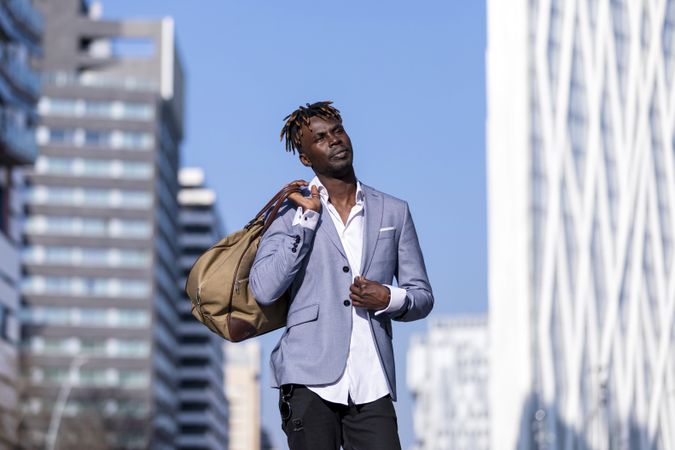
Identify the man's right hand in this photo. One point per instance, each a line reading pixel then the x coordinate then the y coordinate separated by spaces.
pixel 312 202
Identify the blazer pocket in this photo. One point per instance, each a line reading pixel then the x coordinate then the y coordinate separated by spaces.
pixel 302 315
pixel 386 233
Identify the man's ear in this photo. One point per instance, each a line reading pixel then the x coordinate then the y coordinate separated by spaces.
pixel 304 160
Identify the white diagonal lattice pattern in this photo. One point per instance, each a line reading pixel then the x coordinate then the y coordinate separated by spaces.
pixel 602 107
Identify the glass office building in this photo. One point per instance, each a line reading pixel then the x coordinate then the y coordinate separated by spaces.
pixel 99 257
pixel 203 414
pixel 20 32
pixel 581 174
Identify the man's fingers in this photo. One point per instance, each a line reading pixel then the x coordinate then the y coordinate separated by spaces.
pixel 298 183
pixel 355 298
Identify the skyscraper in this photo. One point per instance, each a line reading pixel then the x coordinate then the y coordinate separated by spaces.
pixel 203 409
pixel 581 176
pixel 448 377
pixel 100 249
pixel 20 32
pixel 242 387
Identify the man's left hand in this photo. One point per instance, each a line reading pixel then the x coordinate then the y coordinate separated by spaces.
pixel 369 294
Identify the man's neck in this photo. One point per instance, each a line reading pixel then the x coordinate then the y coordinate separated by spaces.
pixel 341 191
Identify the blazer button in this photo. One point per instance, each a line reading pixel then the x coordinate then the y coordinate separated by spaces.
pixel 346 303
pixel 345 269
pixel 294 249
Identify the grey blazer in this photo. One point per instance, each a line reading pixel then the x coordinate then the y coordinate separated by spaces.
pixel 314 347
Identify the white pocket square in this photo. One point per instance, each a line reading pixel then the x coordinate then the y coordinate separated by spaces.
pixel 387 229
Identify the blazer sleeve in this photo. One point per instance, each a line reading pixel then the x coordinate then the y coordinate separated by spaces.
pixel 279 257
pixel 411 275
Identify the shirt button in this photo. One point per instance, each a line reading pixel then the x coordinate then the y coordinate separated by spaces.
pixel 346 303
pixel 345 269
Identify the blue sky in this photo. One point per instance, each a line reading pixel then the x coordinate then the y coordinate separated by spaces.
pixel 409 79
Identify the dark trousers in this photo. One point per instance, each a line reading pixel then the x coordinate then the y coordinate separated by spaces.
pixel 315 424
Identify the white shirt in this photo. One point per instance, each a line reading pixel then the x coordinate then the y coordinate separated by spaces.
pixel 363 378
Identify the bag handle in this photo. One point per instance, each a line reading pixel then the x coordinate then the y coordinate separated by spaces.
pixel 276 202
pixel 273 215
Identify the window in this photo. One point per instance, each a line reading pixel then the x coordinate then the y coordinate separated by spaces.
pixel 56 346
pixel 94 256
pixel 136 170
pixel 85 286
pixel 93 377
pixel 61 136
pixel 133 348
pixel 55 375
pixel 132 47
pixel 4 316
pixel 4 203
pixel 139 111
pixel 55 315
pixel 89 256
pixel 93 346
pixel 133 378
pixel 134 140
pixel 132 317
pixel 98 109
pixel 97 138
pixel 96 167
pixel 89 197
pixel 59 106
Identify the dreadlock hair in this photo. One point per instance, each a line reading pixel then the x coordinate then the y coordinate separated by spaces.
pixel 292 130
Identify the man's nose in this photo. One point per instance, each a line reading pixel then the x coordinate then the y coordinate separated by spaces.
pixel 334 139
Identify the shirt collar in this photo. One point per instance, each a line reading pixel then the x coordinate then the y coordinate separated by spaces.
pixel 323 192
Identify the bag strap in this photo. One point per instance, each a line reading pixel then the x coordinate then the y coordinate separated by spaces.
pixel 273 215
pixel 276 202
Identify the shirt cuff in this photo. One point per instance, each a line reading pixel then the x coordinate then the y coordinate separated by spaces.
pixel 396 301
pixel 307 219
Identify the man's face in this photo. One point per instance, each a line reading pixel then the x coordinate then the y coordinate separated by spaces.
pixel 326 147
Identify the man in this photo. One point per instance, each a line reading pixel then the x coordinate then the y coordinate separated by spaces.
pixel 337 251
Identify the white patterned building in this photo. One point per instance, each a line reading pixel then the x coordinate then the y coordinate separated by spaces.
pixel 242 390
pixel 581 173
pixel 448 377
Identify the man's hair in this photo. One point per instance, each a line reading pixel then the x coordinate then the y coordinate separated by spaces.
pixel 292 130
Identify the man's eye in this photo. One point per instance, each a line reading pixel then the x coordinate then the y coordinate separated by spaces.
pixel 320 138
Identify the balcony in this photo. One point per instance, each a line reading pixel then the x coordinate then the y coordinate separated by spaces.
pixel 17 145
pixel 199 440
pixel 17 72
pixel 101 81
pixel 25 16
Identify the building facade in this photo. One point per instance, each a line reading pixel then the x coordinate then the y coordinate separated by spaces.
pixel 99 290
pixel 581 174
pixel 20 32
pixel 203 408
pixel 242 388
pixel 448 377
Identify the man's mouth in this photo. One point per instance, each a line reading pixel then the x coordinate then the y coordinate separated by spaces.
pixel 340 154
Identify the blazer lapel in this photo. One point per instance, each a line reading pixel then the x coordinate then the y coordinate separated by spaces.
pixel 327 228
pixel 373 210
